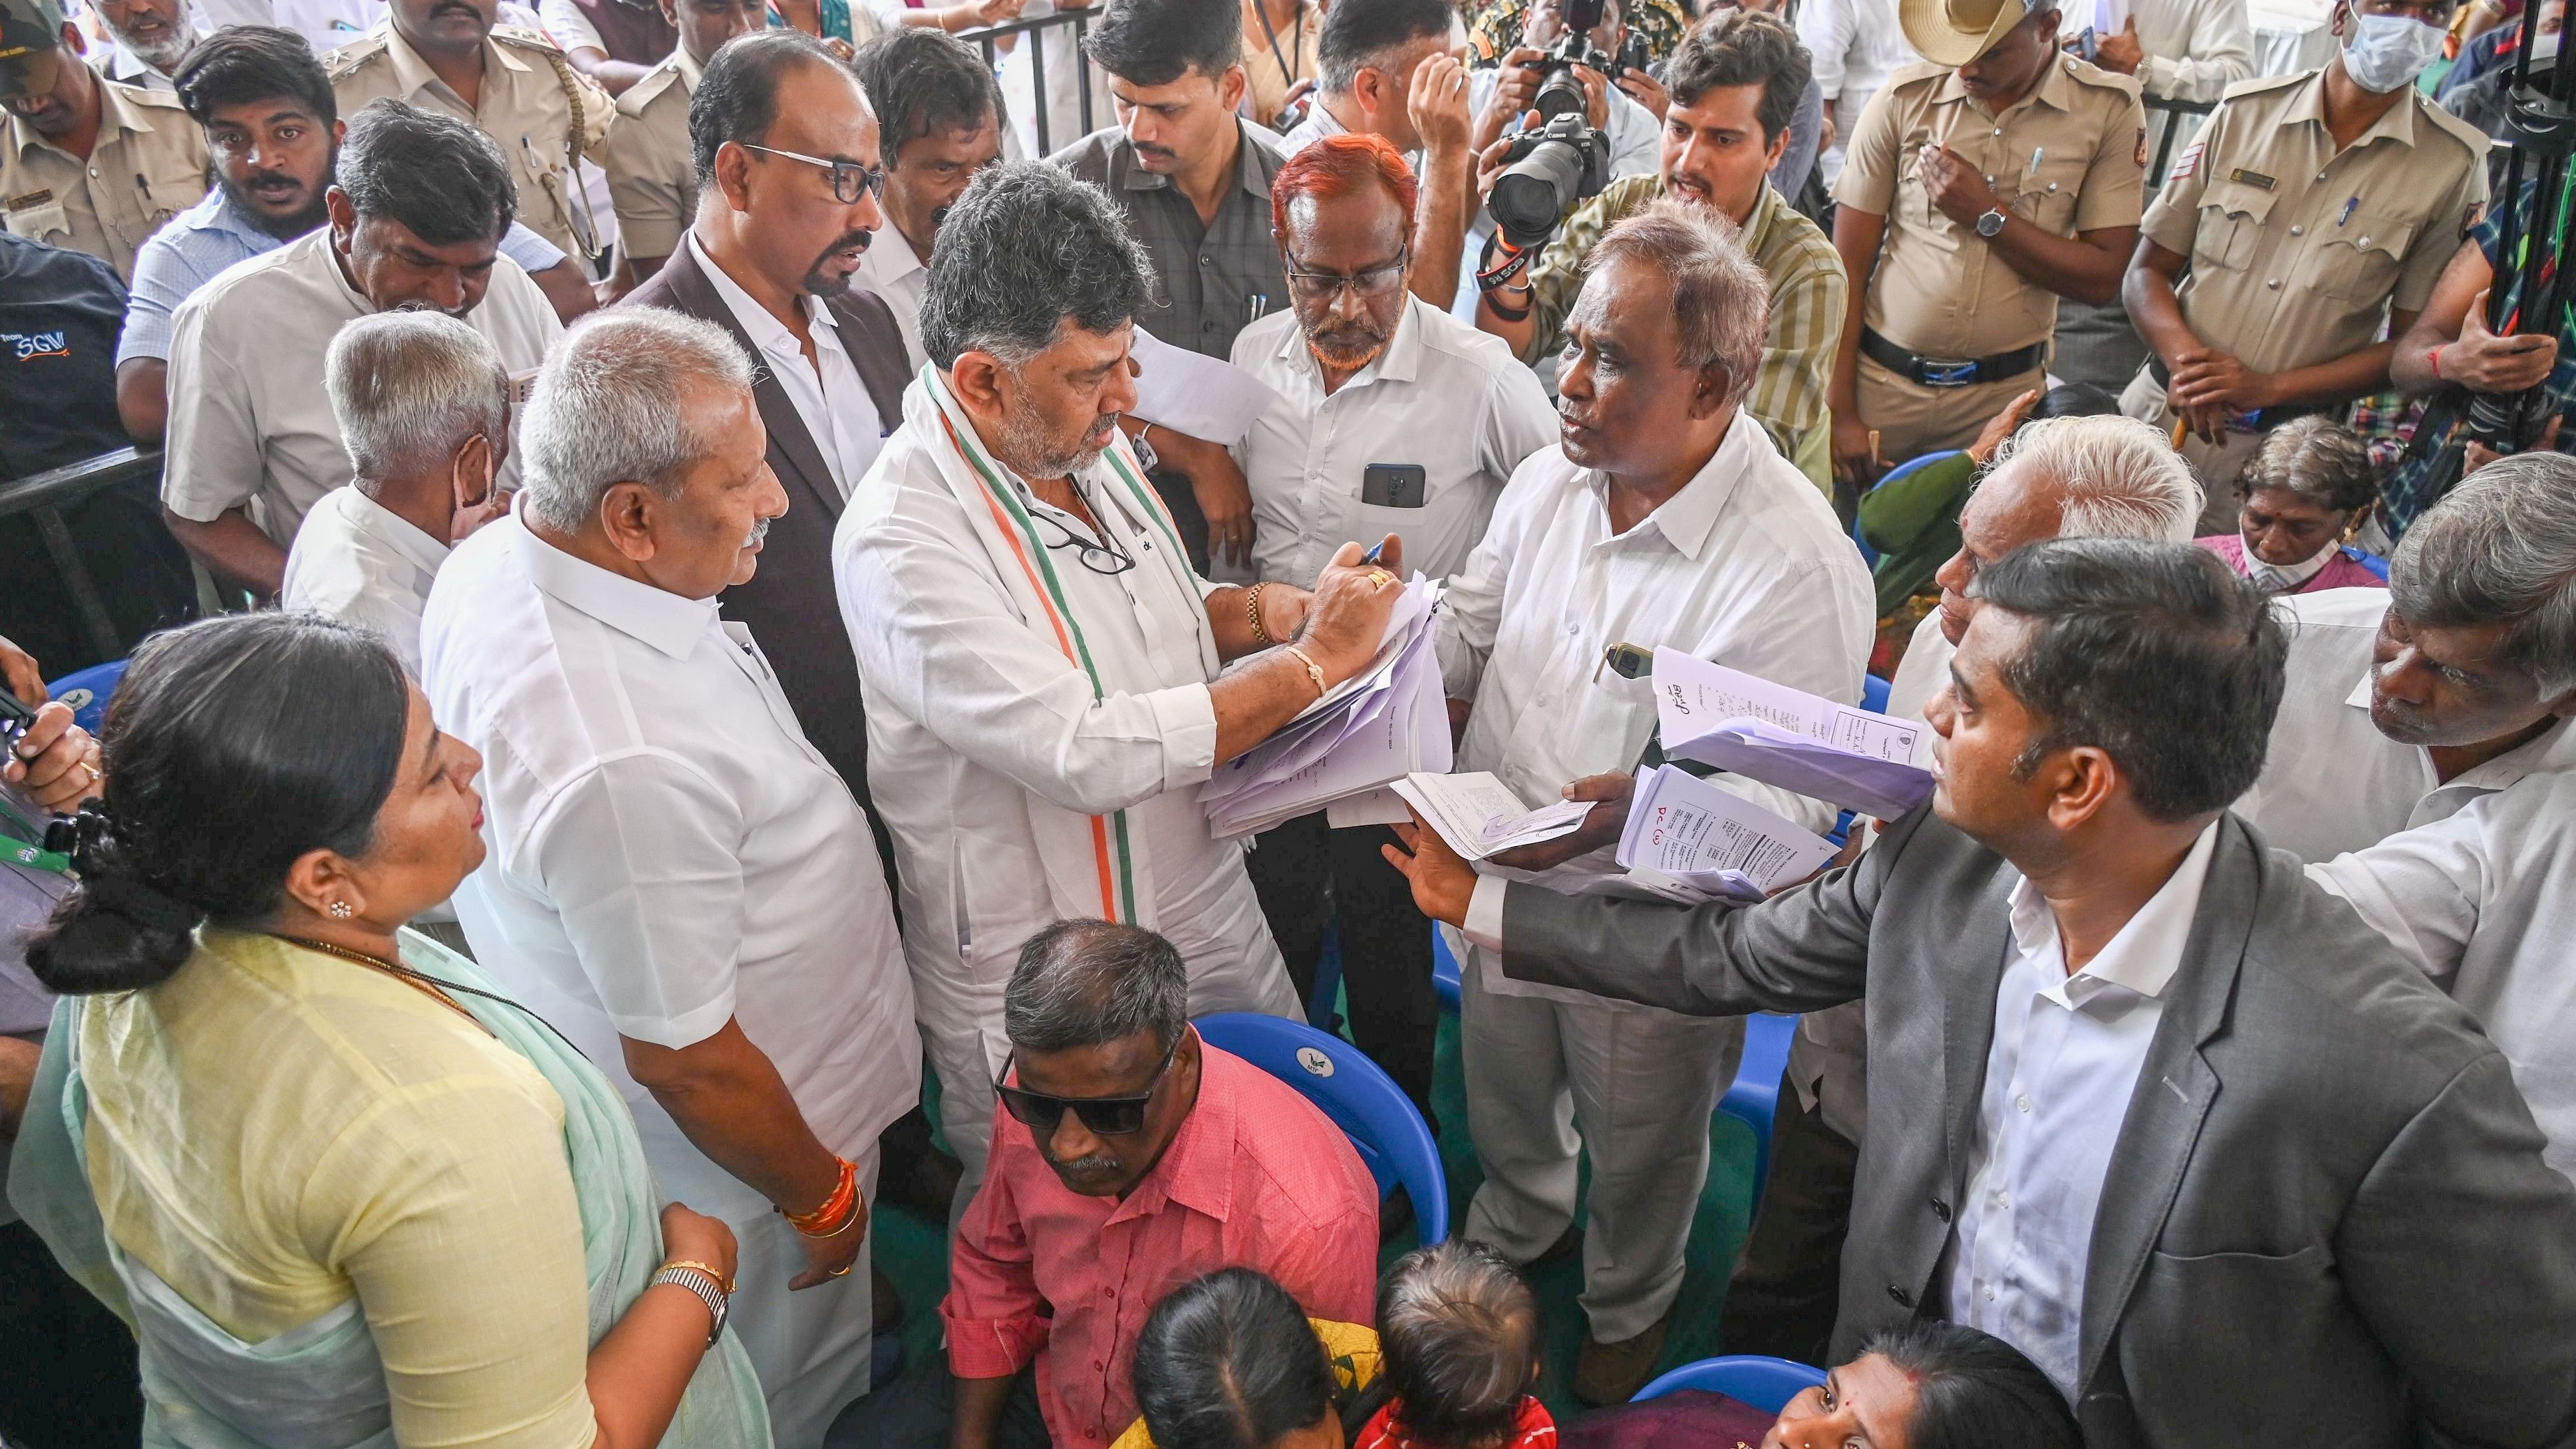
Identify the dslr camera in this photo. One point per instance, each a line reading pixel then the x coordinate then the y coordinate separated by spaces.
pixel 1563 159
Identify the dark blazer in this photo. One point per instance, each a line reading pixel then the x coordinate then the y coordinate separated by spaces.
pixel 2326 1220
pixel 790 605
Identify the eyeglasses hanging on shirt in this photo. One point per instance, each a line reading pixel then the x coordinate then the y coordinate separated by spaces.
pixel 850 179
pixel 1091 554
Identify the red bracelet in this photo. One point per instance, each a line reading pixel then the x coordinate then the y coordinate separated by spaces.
pixel 2436 360
pixel 835 1212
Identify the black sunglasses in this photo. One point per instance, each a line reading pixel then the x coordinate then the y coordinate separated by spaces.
pixel 1101 1116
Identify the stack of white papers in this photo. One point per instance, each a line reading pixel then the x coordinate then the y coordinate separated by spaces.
pixel 1479 815
pixel 1691 841
pixel 1382 724
pixel 1801 742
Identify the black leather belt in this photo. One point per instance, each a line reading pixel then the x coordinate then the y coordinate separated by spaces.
pixel 1950 371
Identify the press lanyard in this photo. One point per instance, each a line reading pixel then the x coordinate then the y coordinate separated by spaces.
pixel 1287 67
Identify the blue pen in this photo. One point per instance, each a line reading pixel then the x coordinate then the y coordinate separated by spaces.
pixel 2347 211
pixel 1370 557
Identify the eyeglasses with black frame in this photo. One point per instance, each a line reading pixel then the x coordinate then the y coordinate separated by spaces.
pixel 850 179
pixel 1091 554
pixel 1327 287
pixel 1101 1116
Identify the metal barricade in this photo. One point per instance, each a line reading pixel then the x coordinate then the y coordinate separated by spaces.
pixel 45 497
pixel 2173 111
pixel 1078 22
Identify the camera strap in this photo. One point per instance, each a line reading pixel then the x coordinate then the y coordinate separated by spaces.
pixel 1493 276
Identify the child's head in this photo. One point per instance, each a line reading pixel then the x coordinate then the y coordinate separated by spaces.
pixel 1459 1332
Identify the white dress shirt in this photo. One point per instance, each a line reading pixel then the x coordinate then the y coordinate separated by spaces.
pixel 2331 781
pixel 666 851
pixel 250 421
pixel 833 404
pixel 1923 672
pixel 900 277
pixel 1856 45
pixel 122 64
pixel 976 716
pixel 1745 566
pixel 2484 900
pixel 2064 1062
pixel 1442 395
pixel 358 560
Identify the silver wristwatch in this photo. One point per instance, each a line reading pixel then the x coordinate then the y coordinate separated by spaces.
pixel 1990 223
pixel 709 1291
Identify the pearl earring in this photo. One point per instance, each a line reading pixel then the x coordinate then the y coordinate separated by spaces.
pixel 339 910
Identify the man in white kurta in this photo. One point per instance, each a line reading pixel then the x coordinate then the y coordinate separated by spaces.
pixel 1740 561
pixel 669 859
pixel 1021 786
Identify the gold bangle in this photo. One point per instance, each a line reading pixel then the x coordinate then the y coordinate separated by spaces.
pixel 1252 612
pixel 709 1269
pixel 1314 671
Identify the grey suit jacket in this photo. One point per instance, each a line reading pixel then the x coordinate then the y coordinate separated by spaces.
pixel 2326 1221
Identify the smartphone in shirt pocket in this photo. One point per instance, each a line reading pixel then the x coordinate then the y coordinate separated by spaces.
pixel 1394 485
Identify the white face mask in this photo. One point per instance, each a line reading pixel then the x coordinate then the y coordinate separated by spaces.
pixel 2281 578
pixel 2385 52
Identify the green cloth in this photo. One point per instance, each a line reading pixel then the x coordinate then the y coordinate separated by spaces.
pixel 320 1384
pixel 1913 522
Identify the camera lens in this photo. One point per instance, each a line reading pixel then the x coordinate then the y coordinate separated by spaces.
pixel 1528 197
pixel 1560 95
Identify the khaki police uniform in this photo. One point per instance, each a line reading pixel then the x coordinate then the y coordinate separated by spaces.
pixel 2066 157
pixel 147 166
pixel 534 104
pixel 652 172
pixel 2298 251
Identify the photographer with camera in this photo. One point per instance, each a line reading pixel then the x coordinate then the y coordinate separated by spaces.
pixel 1734 88
pixel 1981 186
pixel 1568 54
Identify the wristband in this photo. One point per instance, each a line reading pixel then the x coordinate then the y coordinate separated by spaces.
pixel 2436 360
pixel 1314 671
pixel 836 1212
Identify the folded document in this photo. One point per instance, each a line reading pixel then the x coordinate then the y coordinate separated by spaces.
pixel 1384 723
pixel 1801 742
pixel 1480 816
pixel 1691 840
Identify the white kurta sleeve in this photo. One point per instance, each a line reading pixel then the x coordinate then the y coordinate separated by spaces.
pixel 939 640
pixel 642 858
pixel 2218 53
pixel 2421 888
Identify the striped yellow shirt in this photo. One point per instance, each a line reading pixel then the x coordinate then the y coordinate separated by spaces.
pixel 1807 298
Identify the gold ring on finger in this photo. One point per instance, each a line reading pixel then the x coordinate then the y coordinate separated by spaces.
pixel 1381 577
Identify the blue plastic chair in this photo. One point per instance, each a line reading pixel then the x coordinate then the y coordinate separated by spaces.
pixel 87 692
pixel 2378 566
pixel 1754 1100
pixel 1763 1382
pixel 1356 1094
pixel 1444 972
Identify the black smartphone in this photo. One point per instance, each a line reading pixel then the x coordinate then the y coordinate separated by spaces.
pixel 1394 485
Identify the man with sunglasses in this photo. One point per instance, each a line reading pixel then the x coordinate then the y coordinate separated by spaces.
pixel 1129 1156
pixel 1392 417
pixel 788 180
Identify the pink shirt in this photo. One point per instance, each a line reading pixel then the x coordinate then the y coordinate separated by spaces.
pixel 2342 571
pixel 1256 1176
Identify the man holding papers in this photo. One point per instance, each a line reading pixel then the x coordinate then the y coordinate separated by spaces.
pixel 1663 517
pixel 1390 416
pixel 1041 661
pixel 2147 1103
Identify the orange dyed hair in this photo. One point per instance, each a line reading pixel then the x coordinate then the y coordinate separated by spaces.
pixel 1335 167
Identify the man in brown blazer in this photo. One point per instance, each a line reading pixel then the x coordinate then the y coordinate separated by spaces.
pixel 788 178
